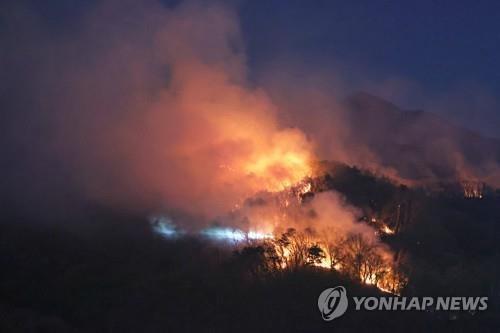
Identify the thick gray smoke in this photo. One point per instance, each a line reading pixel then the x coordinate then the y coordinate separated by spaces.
pixel 148 107
pixel 143 106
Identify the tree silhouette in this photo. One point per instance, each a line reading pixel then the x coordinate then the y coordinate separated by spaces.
pixel 315 255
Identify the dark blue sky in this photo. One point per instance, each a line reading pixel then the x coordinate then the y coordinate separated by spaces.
pixel 444 53
pixel 448 51
pixel 436 43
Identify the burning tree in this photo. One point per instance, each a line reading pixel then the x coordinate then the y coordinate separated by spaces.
pixel 293 248
pixel 333 244
pixel 315 255
pixel 473 189
pixel 360 259
pixel 357 257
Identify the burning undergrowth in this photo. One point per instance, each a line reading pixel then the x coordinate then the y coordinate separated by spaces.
pixel 304 226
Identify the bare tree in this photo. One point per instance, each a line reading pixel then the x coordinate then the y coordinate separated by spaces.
pixel 334 247
pixel 374 268
pixel 357 257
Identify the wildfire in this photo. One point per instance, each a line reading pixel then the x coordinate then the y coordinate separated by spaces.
pixel 302 188
pixel 279 169
pixel 386 230
pixel 388 282
pixel 473 189
pixel 351 253
pixel 381 226
pixel 352 256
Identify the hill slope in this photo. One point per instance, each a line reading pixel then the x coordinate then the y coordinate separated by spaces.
pixel 420 145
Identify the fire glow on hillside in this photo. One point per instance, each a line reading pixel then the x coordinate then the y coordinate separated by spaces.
pixel 473 189
pixel 281 227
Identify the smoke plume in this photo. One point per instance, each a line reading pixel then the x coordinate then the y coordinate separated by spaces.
pixel 148 107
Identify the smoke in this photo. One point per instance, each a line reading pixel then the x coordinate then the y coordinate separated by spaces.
pixel 324 217
pixel 147 107
pixel 411 146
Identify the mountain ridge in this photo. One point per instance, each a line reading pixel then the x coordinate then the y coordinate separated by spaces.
pixel 420 145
